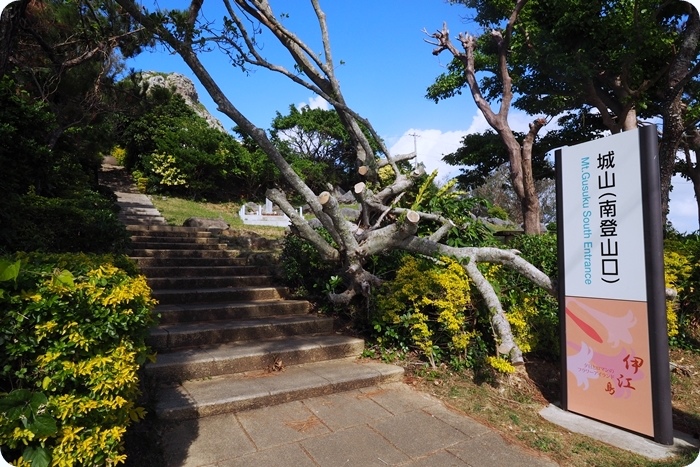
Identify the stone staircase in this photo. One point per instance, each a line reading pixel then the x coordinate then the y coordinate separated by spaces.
pixel 229 338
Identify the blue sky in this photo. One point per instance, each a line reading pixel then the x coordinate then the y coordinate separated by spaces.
pixel 387 68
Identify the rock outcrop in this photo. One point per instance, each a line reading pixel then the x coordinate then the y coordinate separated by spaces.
pixel 183 86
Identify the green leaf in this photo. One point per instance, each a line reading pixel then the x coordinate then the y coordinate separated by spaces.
pixel 37 456
pixel 37 401
pixel 18 397
pixel 9 271
pixel 65 277
pixel 43 426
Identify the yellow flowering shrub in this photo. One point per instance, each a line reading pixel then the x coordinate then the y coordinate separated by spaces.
pixel 165 167
pixel 500 364
pixel 73 330
pixel 676 268
pixel 427 307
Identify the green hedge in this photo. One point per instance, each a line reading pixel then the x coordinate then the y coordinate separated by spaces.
pixel 87 221
pixel 72 336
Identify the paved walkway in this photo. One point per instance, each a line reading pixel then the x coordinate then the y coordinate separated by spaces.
pixel 384 425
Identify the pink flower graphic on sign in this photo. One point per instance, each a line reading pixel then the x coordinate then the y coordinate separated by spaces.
pixel 617 327
pixel 579 365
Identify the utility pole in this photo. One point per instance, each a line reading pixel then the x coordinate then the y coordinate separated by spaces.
pixel 415 147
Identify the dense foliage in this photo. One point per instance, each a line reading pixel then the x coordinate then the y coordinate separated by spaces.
pixel 303 268
pixel 72 336
pixel 429 307
pixel 317 146
pixel 178 153
pixel 559 64
pixel 49 199
pixel 86 221
pixel 682 266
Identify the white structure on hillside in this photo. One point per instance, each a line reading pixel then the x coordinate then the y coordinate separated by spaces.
pixel 266 216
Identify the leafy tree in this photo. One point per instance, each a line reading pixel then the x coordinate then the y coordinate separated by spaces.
pixel 68 216
pixel 484 153
pixel 55 97
pixel 486 161
pixel 386 222
pixel 627 60
pixel 25 157
pixel 180 154
pixel 258 171
pixel 65 55
pixel 318 146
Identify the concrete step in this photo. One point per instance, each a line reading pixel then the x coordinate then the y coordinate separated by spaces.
pixel 233 393
pixel 195 246
pixel 141 220
pixel 220 294
pixel 238 357
pixel 145 231
pixel 161 283
pixel 232 343
pixel 164 229
pixel 140 210
pixel 183 335
pixel 205 271
pixel 188 312
pixel 184 261
pixel 163 240
pixel 162 253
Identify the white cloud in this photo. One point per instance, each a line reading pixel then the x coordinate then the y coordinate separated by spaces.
pixel 479 124
pixel 683 209
pixel 431 146
pixel 316 102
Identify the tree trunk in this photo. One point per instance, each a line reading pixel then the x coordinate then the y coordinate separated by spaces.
pixel 668 148
pixel 680 72
pixel 519 153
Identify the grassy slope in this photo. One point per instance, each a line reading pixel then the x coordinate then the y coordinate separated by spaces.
pixel 176 210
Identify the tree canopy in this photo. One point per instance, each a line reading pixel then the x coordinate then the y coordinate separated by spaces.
pixel 628 61
pixel 317 145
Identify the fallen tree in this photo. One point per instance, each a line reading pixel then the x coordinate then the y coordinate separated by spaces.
pixel 383 223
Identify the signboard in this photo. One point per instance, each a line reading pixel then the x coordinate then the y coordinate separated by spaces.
pixel 614 347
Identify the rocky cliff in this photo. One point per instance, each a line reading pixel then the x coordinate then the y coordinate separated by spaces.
pixel 183 86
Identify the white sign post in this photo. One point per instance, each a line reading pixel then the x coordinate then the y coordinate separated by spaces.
pixel 614 343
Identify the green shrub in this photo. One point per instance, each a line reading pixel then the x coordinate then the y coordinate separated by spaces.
pixel 25 127
pixel 456 206
pixel 72 336
pixel 119 154
pixel 85 222
pixel 682 271
pixel 303 268
pixel 429 303
pixel 177 153
pixel 310 276
pixel 532 312
pixel 498 212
